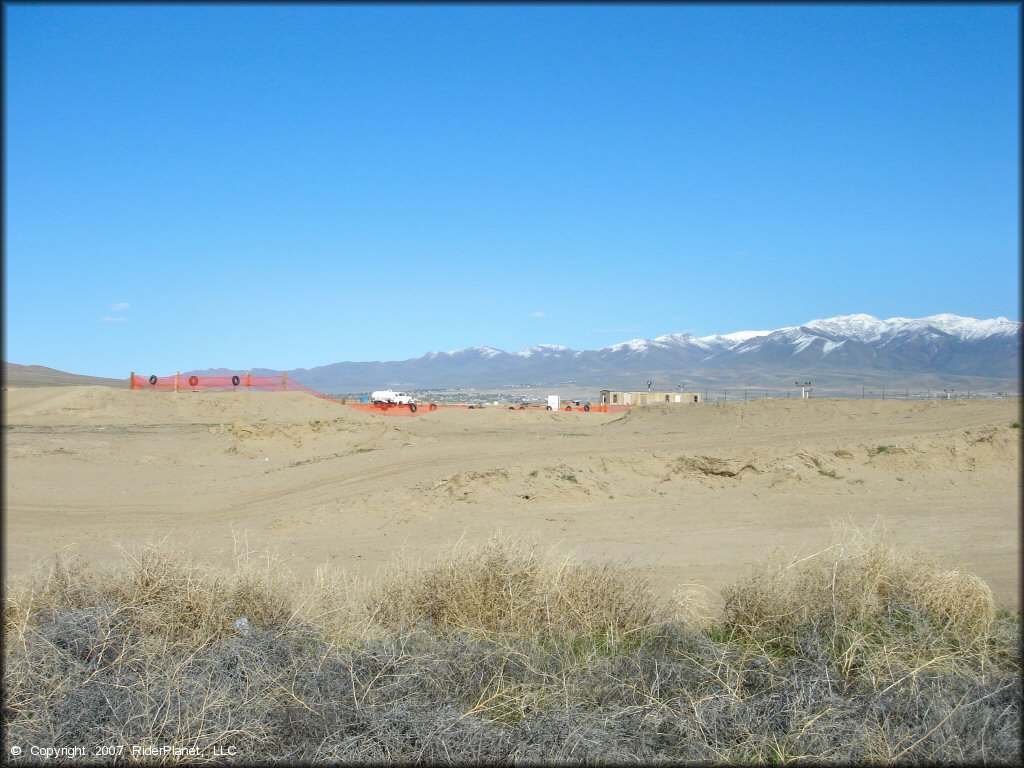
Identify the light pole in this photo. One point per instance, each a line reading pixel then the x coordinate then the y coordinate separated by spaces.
pixel 805 389
pixel 948 392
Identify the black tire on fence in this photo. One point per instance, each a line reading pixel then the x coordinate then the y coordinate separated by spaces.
pixel 522 407
pixel 587 407
pixel 412 407
pixel 433 406
pixel 549 407
pixel 152 380
pixel 511 407
pixel 235 380
pixel 193 381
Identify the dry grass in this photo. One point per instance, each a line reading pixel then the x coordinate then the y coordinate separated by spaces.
pixel 866 596
pixel 506 587
pixel 497 654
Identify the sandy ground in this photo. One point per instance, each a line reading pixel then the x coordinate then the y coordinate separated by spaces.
pixel 689 494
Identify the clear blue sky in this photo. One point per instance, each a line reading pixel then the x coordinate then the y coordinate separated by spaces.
pixel 291 186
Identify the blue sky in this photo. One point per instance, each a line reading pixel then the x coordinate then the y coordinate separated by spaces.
pixel 290 186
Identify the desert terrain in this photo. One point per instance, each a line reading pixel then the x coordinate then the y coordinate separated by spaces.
pixel 687 494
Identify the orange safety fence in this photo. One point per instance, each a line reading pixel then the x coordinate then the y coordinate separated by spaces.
pixel 245 382
pixel 394 409
pixel 191 382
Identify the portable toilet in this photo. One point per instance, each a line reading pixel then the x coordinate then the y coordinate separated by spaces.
pixel 554 402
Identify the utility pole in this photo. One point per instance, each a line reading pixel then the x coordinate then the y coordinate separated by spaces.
pixel 948 392
pixel 805 389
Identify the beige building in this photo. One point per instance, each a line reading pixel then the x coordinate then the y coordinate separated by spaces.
pixel 608 397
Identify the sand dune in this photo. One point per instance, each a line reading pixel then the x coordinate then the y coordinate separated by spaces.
pixel 689 494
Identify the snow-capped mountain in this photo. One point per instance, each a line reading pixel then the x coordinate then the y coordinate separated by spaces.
pixel 730 340
pixel 848 347
pixel 545 350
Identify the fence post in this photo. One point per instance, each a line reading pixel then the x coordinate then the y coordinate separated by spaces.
pixel 176 375
pixel 131 380
pixel 726 399
pixel 883 393
pixel 248 381
pixel 284 381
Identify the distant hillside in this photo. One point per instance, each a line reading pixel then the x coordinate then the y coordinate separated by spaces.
pixel 40 376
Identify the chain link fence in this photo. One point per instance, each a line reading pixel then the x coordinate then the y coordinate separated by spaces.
pixel 741 394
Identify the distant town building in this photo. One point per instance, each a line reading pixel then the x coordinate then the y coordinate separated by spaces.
pixel 608 397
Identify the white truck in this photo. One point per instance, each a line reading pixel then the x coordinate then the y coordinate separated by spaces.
pixel 389 396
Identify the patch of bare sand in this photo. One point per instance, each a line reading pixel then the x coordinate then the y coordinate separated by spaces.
pixel 689 494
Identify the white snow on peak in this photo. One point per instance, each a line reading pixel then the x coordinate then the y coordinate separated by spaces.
pixel 737 337
pixel 965 328
pixel 633 345
pixel 542 349
pixel 680 340
pixel 868 328
pixel 859 327
pixel 805 341
pixel 482 350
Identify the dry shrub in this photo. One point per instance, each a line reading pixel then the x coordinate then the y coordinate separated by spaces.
pixel 167 595
pixel 955 599
pixel 861 591
pixel 89 658
pixel 694 606
pixel 505 587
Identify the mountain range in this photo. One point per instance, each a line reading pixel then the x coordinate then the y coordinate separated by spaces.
pixel 840 351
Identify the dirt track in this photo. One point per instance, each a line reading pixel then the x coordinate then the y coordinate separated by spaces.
pixel 690 494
